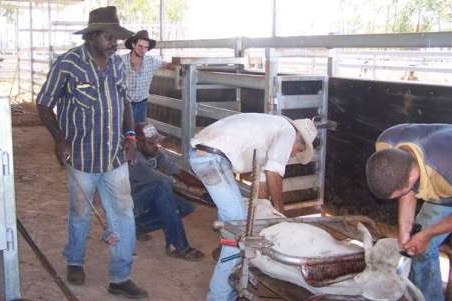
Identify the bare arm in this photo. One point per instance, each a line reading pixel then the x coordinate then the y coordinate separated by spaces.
pixel 128 124
pixel 407 211
pixel 274 188
pixel 62 149
pixel 419 242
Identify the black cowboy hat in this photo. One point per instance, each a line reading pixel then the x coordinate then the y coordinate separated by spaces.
pixel 140 35
pixel 106 19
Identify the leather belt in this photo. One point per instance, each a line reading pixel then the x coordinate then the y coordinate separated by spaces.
pixel 211 150
pixel 138 102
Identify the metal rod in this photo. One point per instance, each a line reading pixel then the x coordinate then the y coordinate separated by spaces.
pixel 46 263
pixel 232 79
pixel 253 196
pixel 96 213
pixel 162 23
pixel 30 15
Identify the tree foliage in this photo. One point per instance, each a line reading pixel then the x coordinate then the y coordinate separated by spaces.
pixel 392 16
pixel 9 12
pixel 148 11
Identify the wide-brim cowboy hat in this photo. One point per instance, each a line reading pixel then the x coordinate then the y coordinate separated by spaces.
pixel 140 35
pixel 308 132
pixel 106 19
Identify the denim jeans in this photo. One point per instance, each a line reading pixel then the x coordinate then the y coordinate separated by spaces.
pixel 216 174
pixel 156 206
pixel 140 110
pixel 114 191
pixel 425 270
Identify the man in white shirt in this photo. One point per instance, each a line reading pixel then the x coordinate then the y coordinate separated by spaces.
pixel 227 146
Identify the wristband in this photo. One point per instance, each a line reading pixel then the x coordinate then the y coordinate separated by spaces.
pixel 130 137
pixel 130 133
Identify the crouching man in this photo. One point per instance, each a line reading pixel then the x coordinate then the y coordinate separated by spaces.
pixel 155 204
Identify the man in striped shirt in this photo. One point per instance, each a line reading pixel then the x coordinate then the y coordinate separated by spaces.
pixel 86 85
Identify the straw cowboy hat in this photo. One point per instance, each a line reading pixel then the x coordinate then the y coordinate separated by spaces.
pixel 140 35
pixel 308 131
pixel 106 19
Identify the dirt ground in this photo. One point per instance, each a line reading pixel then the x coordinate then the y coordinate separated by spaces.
pixel 41 201
pixel 40 185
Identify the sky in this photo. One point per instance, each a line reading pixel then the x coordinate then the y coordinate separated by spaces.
pixel 253 18
pixel 212 19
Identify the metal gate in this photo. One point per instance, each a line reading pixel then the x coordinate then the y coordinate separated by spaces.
pixel 9 263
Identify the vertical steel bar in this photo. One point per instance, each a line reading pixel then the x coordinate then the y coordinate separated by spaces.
pixel 30 11
pixel 323 111
pixel 17 51
pixel 162 22
pixel 274 18
pixel 270 75
pixel 49 33
pixel 330 66
pixel 238 52
pixel 189 113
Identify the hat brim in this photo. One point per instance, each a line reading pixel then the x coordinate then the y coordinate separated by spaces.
pixel 157 138
pixel 133 39
pixel 305 156
pixel 115 30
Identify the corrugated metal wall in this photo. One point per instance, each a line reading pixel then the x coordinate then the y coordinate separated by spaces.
pixel 363 109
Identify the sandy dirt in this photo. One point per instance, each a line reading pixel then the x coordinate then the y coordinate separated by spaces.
pixel 41 201
pixel 40 185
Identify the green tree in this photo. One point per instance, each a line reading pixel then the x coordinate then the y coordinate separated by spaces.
pixel 148 11
pixel 9 12
pixel 385 16
pixel 175 10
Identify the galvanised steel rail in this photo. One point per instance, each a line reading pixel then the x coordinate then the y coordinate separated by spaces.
pixel 392 40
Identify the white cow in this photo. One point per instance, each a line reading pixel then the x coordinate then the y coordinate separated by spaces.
pixel 377 282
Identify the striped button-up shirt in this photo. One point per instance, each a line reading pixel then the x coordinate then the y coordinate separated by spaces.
pixel 89 106
pixel 139 82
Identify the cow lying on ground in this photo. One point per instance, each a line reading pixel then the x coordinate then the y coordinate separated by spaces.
pixel 377 282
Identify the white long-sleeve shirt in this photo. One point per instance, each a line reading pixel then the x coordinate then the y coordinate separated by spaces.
pixel 237 136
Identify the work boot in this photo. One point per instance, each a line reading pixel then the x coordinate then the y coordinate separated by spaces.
pixel 75 275
pixel 127 289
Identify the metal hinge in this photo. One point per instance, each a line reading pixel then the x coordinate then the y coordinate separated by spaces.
pixel 5 163
pixel 10 239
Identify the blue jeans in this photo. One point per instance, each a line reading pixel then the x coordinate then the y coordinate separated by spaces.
pixel 156 206
pixel 216 174
pixel 140 110
pixel 114 191
pixel 425 270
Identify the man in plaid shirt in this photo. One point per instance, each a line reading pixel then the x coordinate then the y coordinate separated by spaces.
pixel 140 69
